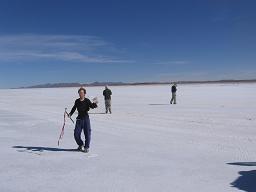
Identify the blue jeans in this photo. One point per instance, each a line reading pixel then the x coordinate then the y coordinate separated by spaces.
pixel 83 124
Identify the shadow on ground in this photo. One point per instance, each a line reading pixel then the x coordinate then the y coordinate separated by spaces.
pixel 39 149
pixel 243 163
pixel 97 113
pixel 159 104
pixel 247 179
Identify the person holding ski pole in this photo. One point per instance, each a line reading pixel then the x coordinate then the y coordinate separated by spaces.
pixel 83 105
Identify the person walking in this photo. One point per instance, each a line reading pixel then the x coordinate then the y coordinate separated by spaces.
pixel 83 105
pixel 174 90
pixel 107 96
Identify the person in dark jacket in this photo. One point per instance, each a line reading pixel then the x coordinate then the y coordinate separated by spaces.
pixel 107 96
pixel 174 90
pixel 83 105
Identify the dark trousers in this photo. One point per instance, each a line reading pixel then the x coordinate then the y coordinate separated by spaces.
pixel 83 125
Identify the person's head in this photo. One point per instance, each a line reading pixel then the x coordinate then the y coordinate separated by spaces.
pixel 106 87
pixel 82 92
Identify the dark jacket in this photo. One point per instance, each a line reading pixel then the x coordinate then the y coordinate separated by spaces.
pixel 107 94
pixel 82 107
pixel 174 89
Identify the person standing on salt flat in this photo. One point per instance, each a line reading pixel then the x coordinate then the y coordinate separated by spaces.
pixel 83 105
pixel 107 96
pixel 174 90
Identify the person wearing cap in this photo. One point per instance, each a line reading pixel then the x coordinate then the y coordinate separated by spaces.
pixel 83 105
pixel 174 90
pixel 107 96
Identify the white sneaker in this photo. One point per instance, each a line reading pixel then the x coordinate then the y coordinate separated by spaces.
pixel 81 148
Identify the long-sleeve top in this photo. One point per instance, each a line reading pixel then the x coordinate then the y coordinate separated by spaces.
pixel 107 94
pixel 174 89
pixel 82 107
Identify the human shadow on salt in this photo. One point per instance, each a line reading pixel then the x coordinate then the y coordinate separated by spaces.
pixel 243 163
pixel 158 104
pixel 246 179
pixel 97 113
pixel 34 149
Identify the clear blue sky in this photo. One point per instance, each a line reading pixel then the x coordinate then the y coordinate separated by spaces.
pixel 46 41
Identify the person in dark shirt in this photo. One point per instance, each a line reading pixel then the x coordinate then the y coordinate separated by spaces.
pixel 107 96
pixel 174 90
pixel 83 105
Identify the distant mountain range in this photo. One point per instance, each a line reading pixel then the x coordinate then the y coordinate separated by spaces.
pixel 59 85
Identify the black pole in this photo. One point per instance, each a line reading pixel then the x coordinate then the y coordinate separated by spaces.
pixel 69 116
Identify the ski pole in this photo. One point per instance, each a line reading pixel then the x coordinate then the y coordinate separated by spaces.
pixel 69 116
pixel 62 130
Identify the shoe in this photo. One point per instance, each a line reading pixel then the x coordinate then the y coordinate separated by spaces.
pixel 81 148
pixel 86 150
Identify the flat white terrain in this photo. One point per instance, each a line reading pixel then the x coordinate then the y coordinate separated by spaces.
pixel 205 143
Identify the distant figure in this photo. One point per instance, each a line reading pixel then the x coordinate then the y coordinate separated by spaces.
pixel 174 90
pixel 107 96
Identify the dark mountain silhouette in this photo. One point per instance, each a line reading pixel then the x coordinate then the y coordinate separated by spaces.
pixel 58 85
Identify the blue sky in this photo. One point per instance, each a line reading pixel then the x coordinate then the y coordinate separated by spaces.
pixel 47 41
